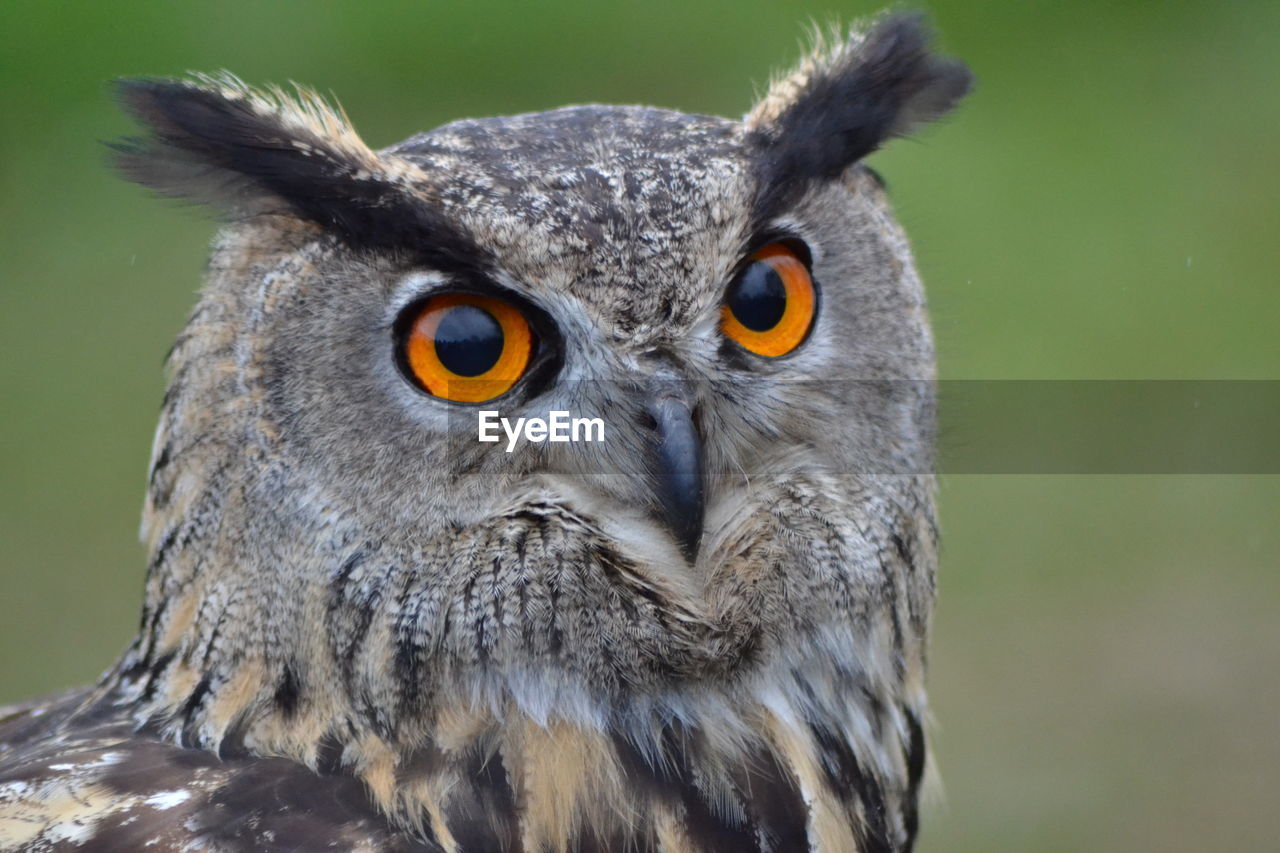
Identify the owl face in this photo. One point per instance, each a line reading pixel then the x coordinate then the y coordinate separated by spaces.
pixel 733 301
pixel 623 295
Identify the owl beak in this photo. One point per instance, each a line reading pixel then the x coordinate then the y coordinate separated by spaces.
pixel 677 468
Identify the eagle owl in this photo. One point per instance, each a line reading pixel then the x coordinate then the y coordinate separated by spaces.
pixel 366 629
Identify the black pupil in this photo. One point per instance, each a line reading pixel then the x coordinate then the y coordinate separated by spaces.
pixel 468 340
pixel 759 299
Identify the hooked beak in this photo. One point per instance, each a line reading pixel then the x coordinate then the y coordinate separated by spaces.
pixel 677 468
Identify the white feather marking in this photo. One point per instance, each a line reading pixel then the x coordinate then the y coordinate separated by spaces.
pixel 165 800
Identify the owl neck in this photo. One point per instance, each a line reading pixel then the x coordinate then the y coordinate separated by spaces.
pixel 805 750
pixel 814 742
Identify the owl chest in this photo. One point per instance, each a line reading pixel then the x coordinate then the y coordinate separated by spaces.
pixel 673 787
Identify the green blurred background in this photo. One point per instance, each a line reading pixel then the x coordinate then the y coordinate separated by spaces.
pixel 1106 668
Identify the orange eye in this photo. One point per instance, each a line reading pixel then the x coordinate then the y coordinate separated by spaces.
pixel 770 306
pixel 466 347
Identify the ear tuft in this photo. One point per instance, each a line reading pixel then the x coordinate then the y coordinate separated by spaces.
pixel 844 101
pixel 215 140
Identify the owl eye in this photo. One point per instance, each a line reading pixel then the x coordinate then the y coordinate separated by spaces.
pixel 466 347
pixel 770 305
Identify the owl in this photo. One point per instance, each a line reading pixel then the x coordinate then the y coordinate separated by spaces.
pixel 697 626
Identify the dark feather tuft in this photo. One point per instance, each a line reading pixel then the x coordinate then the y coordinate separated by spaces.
pixel 850 101
pixel 220 143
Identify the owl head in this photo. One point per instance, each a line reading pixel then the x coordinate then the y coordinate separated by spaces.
pixel 339 561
